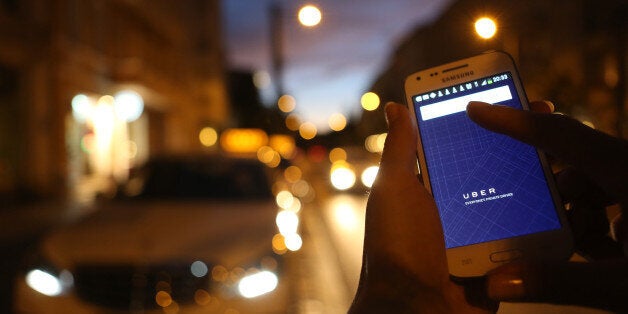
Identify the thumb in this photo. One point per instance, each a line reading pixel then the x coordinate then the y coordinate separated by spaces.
pixel 399 153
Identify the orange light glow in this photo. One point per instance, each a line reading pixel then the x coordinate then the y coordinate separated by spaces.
pixel 286 103
pixel 293 174
pixel 208 136
pixel 337 154
pixel 293 122
pixel 308 130
pixel 283 144
pixel 163 299
pixel 243 141
pixel 337 122
pixel 202 297
pixel 220 273
pixel 279 244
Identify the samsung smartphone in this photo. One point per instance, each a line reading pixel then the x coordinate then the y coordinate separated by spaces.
pixel 496 196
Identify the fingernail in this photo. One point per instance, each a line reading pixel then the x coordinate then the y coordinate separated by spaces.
pixel 505 287
pixel 550 105
pixel 478 104
pixel 392 112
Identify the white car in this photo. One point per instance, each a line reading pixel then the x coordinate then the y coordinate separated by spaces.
pixel 195 236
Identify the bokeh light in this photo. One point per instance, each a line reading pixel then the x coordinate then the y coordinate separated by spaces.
pixel 44 283
pixel 257 284
pixel 243 141
pixel 261 79
pixel 485 27
pixel 279 244
pixel 368 176
pixel 284 199
pixel 337 122
pixel 293 242
pixel 310 16
pixel 375 143
pixel 283 144
pixel 337 154
pixel 199 269
pixel 293 122
pixel 287 222
pixel 163 299
pixel 82 107
pixel 308 130
pixel 342 176
pixel 286 103
pixel 369 101
pixel 292 174
pixel 208 136
pixel 128 105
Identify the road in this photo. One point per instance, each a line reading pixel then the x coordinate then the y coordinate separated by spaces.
pixel 322 276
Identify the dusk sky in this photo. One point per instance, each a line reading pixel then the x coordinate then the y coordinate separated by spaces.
pixel 330 66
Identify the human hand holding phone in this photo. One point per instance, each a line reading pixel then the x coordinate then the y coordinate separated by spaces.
pixel 404 267
pixel 602 159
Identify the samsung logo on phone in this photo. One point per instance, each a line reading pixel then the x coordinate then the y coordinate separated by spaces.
pixel 457 76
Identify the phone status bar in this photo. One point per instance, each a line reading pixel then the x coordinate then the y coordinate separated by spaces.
pixel 467 87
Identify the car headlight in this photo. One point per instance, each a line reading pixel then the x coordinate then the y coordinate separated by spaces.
pixel 49 283
pixel 257 284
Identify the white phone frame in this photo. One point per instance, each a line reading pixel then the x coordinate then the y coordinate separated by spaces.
pixel 478 259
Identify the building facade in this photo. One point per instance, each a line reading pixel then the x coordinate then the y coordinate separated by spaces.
pixel 168 52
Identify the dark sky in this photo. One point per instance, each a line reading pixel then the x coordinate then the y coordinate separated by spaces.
pixel 328 67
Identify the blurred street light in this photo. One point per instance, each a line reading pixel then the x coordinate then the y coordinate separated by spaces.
pixel 337 122
pixel 308 130
pixel 369 101
pixel 286 103
pixel 208 136
pixel 485 27
pixel 309 16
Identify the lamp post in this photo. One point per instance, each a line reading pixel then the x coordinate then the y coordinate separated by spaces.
pixel 308 15
pixel 276 38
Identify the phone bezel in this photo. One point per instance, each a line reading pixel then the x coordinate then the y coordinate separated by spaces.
pixel 475 260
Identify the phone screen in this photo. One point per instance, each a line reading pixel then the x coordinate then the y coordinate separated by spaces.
pixel 487 186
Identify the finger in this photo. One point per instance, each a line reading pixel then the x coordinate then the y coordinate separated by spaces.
pixel 601 157
pixel 542 106
pixel 399 153
pixel 600 284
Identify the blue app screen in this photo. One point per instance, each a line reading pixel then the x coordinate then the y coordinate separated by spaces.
pixel 487 186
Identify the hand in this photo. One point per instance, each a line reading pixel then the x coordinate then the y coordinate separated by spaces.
pixel 403 273
pixel 603 160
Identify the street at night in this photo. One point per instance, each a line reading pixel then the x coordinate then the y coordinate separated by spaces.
pixel 218 156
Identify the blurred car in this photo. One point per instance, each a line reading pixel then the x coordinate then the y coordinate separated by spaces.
pixel 189 234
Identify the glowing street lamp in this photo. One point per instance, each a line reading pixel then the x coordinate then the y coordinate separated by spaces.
pixel 309 16
pixel 485 27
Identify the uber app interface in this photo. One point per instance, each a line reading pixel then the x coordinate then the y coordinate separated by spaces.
pixel 487 186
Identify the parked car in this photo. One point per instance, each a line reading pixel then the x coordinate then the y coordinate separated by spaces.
pixel 187 233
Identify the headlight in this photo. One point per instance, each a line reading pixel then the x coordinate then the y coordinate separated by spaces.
pixel 368 176
pixel 342 176
pixel 48 283
pixel 257 284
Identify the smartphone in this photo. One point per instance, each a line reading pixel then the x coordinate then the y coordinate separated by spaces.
pixel 496 196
